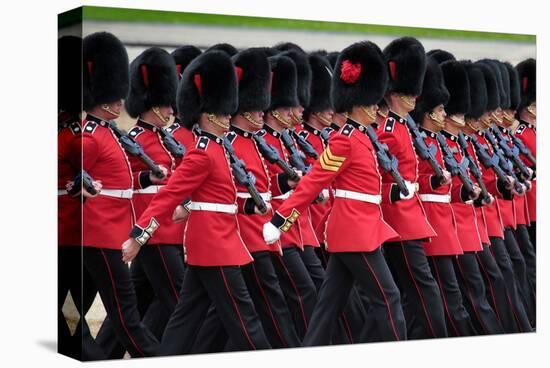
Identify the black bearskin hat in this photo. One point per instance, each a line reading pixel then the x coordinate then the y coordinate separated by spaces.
pixel 69 74
pixel 287 46
pixel 321 72
pixel 284 82
pixel 491 83
pixel 225 47
pixel 254 75
pixel 406 61
pixel 332 57
pixel 456 81
pixel 441 55
pixel 505 84
pixel 478 91
pixel 183 55
pixel 514 86
pixel 527 73
pixel 208 84
pixel 360 77
pixel 303 71
pixel 434 92
pixel 501 85
pixel 105 75
pixel 153 81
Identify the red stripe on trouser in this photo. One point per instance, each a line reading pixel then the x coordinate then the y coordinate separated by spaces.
pixel 490 287
pixel 418 290
pixel 443 297
pixel 295 290
pixel 168 274
pixel 118 305
pixel 266 301
pixel 384 296
pixel 236 309
pixel 469 293
pixel 348 329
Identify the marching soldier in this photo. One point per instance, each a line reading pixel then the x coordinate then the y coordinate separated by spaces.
pixel 207 94
pixel 349 163
pixel 406 63
pixel 107 217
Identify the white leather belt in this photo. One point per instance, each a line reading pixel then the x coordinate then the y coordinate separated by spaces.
pixel 265 196
pixel 151 189
pixel 440 198
pixel 61 192
pixel 284 196
pixel 117 193
pixel 363 197
pixel 214 207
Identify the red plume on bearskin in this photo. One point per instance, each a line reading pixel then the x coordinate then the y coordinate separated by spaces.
pixel 350 72
pixel 239 72
pixel 198 83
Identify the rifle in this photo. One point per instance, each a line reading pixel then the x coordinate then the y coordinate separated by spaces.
pixel 305 145
pixel 83 180
pixel 524 150
pixel 454 167
pixel 474 169
pixel 296 158
pixel 511 152
pixel 271 154
pixel 387 161
pixel 325 135
pixel 243 176
pixel 503 162
pixel 425 152
pixel 172 145
pixel 133 148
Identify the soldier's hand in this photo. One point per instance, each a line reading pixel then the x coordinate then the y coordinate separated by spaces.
pixel 511 181
pixel 326 196
pixel 292 183
pixel 156 180
pixel 515 192
pixel 530 171
pixel 491 199
pixel 180 214
pixel 268 210
pixel 446 178
pixel 130 249
pixel 271 233
pixel 411 187
pixel 476 193
pixel 528 184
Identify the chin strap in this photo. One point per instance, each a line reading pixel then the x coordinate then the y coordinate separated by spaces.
pixel 408 100
pixel 248 116
pixel 156 111
pixel 324 120
pixel 109 110
pixel 278 116
pixel 371 116
pixel 214 120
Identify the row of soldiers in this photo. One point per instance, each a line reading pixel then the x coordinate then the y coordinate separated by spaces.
pixel 296 199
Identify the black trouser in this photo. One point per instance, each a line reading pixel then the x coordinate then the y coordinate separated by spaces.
pixel 157 275
pixel 112 279
pixel 224 287
pixel 297 285
pixel 502 258
pixel 472 286
pixel 533 234
pixel 422 303
pixel 520 270
pixel 372 273
pixel 529 255
pixel 74 278
pixel 350 323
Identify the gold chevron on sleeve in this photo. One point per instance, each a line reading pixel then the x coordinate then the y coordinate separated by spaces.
pixel 330 161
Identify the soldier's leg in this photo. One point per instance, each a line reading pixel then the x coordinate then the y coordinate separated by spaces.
pixel 473 288
pixel 227 290
pixel 323 255
pixel 265 291
pixel 297 286
pixel 112 278
pixel 422 297
pixel 372 273
pixel 65 273
pixel 533 234
pixel 500 254
pixel 212 337
pixel 458 319
pixel 528 252
pixel 333 295
pixel 520 270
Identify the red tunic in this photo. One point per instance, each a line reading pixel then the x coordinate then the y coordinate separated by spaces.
pixel 407 217
pixel 440 215
pixel 278 187
pixel 211 238
pixel 348 163
pixel 69 163
pixel 528 135
pixel 106 220
pixel 251 225
pixel 150 139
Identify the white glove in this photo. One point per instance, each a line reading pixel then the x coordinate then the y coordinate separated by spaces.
pixel 271 233
pixel 411 187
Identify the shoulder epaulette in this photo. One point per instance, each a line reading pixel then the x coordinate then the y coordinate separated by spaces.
pixel 136 131
pixel 304 134
pixel 231 136
pixel 347 130
pixel 75 127
pixel 261 133
pixel 521 129
pixel 90 127
pixel 389 124
pixel 202 143
pixel 173 127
